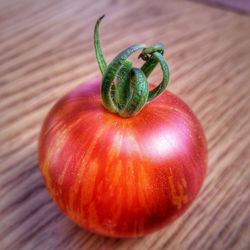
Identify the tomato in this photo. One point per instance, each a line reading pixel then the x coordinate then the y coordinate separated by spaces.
pixel 122 164
pixel 122 177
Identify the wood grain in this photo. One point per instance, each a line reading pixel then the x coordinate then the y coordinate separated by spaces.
pixel 46 50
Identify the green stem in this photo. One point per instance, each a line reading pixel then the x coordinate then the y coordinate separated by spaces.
pixel 125 89
pixel 109 77
pixel 122 87
pixel 139 93
pixel 151 62
pixel 165 70
pixel 99 54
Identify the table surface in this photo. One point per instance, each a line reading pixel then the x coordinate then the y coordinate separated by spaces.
pixel 46 49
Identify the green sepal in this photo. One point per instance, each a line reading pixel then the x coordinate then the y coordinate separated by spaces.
pixel 125 89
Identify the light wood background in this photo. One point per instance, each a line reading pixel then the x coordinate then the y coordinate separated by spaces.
pixel 46 49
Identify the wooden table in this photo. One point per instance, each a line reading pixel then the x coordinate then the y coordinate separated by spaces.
pixel 46 49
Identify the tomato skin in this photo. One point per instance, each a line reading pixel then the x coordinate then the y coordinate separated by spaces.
pixel 122 177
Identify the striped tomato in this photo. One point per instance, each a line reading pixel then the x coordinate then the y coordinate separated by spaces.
pixel 120 164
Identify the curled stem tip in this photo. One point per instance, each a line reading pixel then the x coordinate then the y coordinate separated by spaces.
pixel 125 89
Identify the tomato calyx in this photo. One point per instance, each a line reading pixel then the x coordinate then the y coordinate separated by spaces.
pixel 125 89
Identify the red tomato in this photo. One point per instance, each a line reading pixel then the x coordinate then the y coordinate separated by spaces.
pixel 117 176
